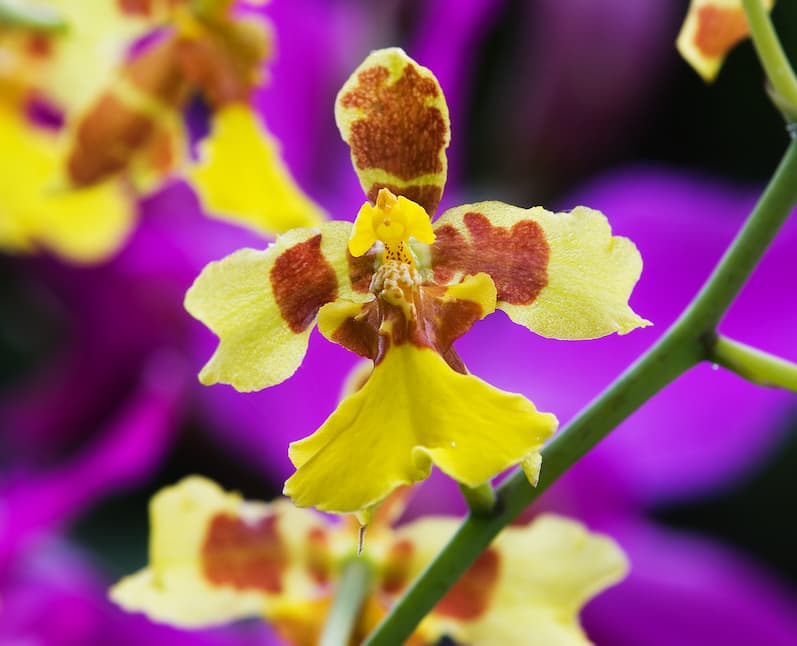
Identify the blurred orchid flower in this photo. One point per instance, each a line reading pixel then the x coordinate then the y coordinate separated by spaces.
pixel 712 28
pixel 216 558
pixel 124 132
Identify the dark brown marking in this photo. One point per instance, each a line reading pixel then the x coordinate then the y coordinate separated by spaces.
pixel 427 195
pixel 396 567
pixel 399 132
pixel 224 63
pixel 303 281
pixel 244 555
pixel 453 318
pixel 361 270
pixel 471 595
pixel 112 132
pixel 105 140
pixel 360 333
pixel 435 322
pixel 719 29
pixel 39 45
pixel 516 259
pixel 135 7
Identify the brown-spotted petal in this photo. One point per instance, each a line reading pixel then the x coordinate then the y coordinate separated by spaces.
pixel 215 558
pixel 528 587
pixel 393 115
pixel 562 275
pixel 263 304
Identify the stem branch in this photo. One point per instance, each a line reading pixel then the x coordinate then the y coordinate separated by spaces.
pixel 772 57
pixel 754 365
pixel 353 589
pixel 481 499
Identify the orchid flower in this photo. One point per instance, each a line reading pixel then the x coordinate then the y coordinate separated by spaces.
pixel 124 132
pixel 216 558
pixel 399 291
pixel 711 30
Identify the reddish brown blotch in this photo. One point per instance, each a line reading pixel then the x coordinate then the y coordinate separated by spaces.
pixel 470 597
pixel 244 555
pixel 516 258
pixel 302 281
pixel 719 29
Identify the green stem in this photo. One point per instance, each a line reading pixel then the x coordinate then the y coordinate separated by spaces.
pixel 481 499
pixel 772 57
pixel 754 365
pixel 681 347
pixel 30 16
pixel 353 589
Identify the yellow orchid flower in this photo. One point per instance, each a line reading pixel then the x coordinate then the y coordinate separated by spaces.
pixel 135 126
pixel 399 290
pixel 711 30
pixel 215 558
pixel 124 122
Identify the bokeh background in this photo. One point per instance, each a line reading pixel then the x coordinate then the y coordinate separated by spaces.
pixel 553 102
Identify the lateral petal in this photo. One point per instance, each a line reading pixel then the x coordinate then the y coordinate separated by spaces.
pixel 215 558
pixel 263 304
pixel 562 275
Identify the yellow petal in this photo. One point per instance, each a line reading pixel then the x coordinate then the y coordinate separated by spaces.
pixel 417 220
pixel 414 411
pixel 86 225
pixel 241 178
pixel 392 113
pixel 711 29
pixel 562 275
pixel 363 235
pixel 527 588
pixel 263 304
pixel 38 211
pixel 215 558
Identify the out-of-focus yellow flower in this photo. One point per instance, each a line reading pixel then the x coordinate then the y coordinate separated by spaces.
pixel 123 133
pixel 398 290
pixel 215 558
pixel 711 30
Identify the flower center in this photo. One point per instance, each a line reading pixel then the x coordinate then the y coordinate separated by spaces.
pixel 392 221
